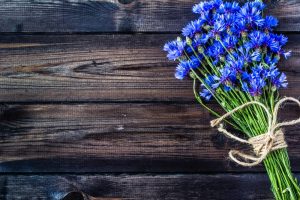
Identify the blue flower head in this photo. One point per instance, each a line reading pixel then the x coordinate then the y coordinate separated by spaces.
pixel 252 14
pixel 202 7
pixel 175 49
pixel 231 46
pixel 270 23
pixel 192 28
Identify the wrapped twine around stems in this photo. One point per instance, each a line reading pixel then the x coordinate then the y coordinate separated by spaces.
pixel 262 144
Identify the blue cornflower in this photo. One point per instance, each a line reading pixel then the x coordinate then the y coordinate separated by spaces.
pixel 211 82
pixel 274 46
pixel 228 77
pixel 218 27
pixel 256 86
pixel 245 76
pixel 216 3
pixel 185 66
pixel 209 87
pixel 280 38
pixel 272 72
pixel 277 79
pixel 270 60
pixel 206 94
pixel 259 71
pixel 256 56
pixel 231 7
pixel 258 4
pixel 201 39
pixel 175 49
pixel 256 40
pixel 252 14
pixel 192 28
pixel 235 66
pixel 230 42
pixel 182 70
pixel 244 54
pixel 280 81
pixel 216 51
pixel 202 7
pixel 229 22
pixel 240 26
pixel 270 22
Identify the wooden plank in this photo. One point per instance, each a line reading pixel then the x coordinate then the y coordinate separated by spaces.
pixel 135 187
pixel 76 68
pixel 119 138
pixel 117 15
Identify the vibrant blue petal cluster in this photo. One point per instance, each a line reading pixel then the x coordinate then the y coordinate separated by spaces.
pixel 230 46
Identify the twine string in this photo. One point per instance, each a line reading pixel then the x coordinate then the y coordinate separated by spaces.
pixel 262 144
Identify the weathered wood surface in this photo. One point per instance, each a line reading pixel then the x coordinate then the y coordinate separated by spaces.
pixel 119 138
pixel 137 187
pixel 77 68
pixel 74 105
pixel 117 15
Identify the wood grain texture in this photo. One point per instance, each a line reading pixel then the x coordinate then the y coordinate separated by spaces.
pixel 77 68
pixel 137 187
pixel 119 138
pixel 117 15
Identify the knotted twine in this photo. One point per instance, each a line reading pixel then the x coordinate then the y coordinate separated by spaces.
pixel 262 144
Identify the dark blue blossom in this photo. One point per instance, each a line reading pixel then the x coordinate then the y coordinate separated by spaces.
pixel 219 26
pixel 192 28
pixel 277 79
pixel 202 7
pixel 256 86
pixel 201 39
pixel 256 56
pixel 175 49
pixel 184 67
pixel 230 42
pixel 216 50
pixel 280 81
pixel 258 4
pixel 206 94
pixel 256 39
pixel 231 7
pixel 270 23
pixel 252 14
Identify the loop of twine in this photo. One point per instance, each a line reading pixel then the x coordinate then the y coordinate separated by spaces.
pixel 262 144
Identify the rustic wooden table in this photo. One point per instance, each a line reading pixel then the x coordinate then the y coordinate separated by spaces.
pixel 89 103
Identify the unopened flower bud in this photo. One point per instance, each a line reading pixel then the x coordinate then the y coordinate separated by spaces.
pixel 179 39
pixel 192 75
pixel 206 27
pixel 188 41
pixel 200 49
pixel 222 59
pixel 217 36
pixel 244 35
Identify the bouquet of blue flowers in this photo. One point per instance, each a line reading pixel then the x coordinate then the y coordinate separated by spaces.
pixel 231 53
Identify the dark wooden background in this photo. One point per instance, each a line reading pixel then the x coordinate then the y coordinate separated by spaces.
pixel 89 103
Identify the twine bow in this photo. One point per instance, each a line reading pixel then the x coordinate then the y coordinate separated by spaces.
pixel 262 144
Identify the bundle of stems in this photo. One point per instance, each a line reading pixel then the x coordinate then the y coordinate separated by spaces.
pixel 253 121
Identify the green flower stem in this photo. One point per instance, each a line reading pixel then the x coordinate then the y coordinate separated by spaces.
pixel 283 184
